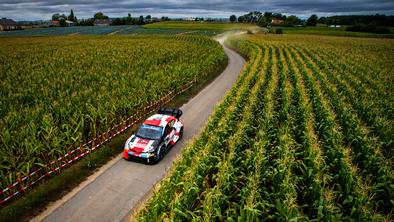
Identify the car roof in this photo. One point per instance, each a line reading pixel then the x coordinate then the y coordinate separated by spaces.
pixel 159 120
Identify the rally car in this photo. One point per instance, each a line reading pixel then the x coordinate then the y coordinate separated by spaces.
pixel 155 136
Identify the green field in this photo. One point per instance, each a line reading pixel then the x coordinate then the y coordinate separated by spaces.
pixel 161 28
pixel 182 28
pixel 323 30
pixel 98 30
pixel 218 26
pixel 305 134
pixel 60 91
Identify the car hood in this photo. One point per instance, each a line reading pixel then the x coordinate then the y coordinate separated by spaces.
pixel 139 145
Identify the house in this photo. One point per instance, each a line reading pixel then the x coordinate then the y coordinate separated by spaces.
pixel 189 19
pixel 55 23
pixel 155 19
pixel 102 22
pixel 277 21
pixel 8 24
pixel 69 23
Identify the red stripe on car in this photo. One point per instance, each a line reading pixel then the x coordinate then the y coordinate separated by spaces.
pixel 137 150
pixel 170 118
pixel 153 122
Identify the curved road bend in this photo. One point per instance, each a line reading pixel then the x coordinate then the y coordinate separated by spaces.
pixel 113 193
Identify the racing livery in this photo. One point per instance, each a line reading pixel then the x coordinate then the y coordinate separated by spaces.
pixel 155 136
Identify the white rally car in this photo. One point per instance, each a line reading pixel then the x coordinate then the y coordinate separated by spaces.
pixel 155 136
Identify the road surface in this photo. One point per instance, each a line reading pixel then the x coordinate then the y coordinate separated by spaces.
pixel 116 190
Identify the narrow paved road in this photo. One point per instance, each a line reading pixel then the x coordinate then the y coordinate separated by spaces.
pixel 112 194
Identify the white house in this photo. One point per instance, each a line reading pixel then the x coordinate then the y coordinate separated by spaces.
pixel 8 24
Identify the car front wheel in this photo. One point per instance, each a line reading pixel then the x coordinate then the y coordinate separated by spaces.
pixel 158 156
pixel 181 133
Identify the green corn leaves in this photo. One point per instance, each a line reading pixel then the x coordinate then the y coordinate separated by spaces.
pixel 62 91
pixel 303 135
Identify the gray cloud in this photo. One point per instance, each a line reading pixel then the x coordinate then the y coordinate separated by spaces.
pixel 43 9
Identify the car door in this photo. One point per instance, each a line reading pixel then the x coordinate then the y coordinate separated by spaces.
pixel 169 133
pixel 172 131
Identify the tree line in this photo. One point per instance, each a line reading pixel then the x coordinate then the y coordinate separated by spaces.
pixel 380 20
pixel 354 23
pixel 265 19
pixel 127 20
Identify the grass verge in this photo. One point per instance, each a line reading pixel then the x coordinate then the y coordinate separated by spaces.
pixel 36 200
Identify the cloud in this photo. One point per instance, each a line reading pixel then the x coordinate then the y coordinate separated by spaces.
pixel 43 9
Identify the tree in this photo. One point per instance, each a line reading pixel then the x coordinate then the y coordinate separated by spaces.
pixel 322 20
pixel 62 17
pixel 268 15
pixel 293 20
pixel 148 18
pixel 56 17
pixel 63 23
pixel 117 21
pixel 71 17
pixel 100 15
pixel 233 18
pixel 262 22
pixel 277 15
pixel 312 21
pixel 86 22
pixel 241 19
pixel 127 20
pixel 141 20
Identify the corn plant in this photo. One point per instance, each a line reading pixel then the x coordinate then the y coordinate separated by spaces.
pixel 305 134
pixel 59 92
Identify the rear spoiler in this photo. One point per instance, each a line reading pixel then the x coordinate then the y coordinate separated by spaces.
pixel 170 111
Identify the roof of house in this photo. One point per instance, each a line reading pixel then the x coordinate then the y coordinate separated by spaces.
pixel 102 21
pixel 277 20
pixel 69 22
pixel 7 22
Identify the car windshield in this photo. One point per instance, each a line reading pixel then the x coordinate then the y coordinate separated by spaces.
pixel 150 132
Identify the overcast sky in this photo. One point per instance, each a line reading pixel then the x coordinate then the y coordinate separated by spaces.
pixel 43 9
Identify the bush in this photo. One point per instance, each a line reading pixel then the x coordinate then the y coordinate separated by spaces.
pixel 275 31
pixel 372 28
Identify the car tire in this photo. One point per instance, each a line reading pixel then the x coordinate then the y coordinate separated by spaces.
pixel 181 133
pixel 159 155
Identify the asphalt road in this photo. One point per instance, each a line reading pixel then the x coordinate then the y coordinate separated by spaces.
pixel 116 190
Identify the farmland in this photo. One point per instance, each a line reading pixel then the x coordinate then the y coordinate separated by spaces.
pixel 121 30
pixel 62 91
pixel 305 134
pixel 323 30
pixel 218 26
pixel 108 30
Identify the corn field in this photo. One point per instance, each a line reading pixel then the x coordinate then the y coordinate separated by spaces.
pixel 58 92
pixel 305 134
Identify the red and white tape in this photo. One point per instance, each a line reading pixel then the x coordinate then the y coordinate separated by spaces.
pixel 24 183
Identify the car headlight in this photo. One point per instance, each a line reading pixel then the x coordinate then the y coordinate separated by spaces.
pixel 151 149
